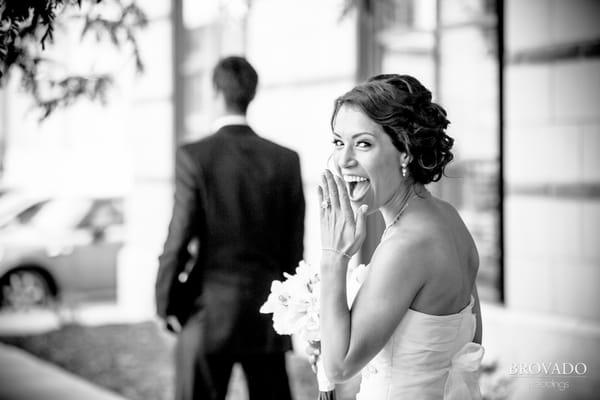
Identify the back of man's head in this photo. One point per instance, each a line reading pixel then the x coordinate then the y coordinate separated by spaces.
pixel 237 80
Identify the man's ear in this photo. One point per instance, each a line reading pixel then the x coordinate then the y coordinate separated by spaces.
pixel 218 103
pixel 217 94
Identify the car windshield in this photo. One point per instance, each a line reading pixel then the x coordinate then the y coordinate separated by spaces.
pixel 61 213
pixel 11 202
pixel 16 207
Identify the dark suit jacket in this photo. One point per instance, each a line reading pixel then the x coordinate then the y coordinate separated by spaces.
pixel 241 197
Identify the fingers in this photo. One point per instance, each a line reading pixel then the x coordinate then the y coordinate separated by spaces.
pixel 313 353
pixel 344 198
pixel 313 356
pixel 313 363
pixel 321 198
pixel 324 186
pixel 332 189
pixel 361 223
pixel 173 324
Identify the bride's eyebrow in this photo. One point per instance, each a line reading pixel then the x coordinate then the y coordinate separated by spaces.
pixel 355 135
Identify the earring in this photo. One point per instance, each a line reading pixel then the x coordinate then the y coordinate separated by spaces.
pixel 404 170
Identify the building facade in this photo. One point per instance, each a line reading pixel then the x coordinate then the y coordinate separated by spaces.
pixel 520 81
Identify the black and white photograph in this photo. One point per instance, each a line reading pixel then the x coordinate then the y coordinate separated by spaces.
pixel 299 200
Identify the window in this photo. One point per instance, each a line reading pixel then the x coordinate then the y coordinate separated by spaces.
pixel 103 213
pixel 427 38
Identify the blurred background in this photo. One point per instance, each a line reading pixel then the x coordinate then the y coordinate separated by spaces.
pixel 86 191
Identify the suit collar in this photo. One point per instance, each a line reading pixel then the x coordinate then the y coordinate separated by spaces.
pixel 229 120
pixel 236 130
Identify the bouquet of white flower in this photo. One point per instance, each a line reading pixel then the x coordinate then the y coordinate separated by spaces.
pixel 294 304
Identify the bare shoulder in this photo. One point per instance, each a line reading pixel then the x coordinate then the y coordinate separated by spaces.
pixel 431 237
pixel 462 234
pixel 409 240
pixel 407 252
pixel 436 246
pixel 449 217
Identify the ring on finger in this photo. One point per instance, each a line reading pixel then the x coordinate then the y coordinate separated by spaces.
pixel 325 204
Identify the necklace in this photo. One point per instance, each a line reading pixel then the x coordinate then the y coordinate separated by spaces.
pixel 405 200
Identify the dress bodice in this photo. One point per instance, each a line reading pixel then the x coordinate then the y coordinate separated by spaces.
pixel 428 357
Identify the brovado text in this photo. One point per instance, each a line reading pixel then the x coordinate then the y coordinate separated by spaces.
pixel 548 369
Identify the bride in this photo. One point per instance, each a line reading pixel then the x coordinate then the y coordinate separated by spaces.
pixel 414 329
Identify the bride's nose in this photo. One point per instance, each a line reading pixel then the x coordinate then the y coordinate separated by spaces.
pixel 346 158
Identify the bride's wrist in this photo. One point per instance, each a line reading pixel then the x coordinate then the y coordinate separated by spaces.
pixel 332 259
pixel 336 251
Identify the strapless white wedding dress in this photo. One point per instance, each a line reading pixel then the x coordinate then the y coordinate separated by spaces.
pixel 429 357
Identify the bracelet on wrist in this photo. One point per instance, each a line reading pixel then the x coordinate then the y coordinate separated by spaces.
pixel 337 252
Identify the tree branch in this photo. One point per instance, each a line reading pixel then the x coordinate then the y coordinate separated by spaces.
pixel 26 26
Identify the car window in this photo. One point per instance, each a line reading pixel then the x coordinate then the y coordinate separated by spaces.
pixel 104 213
pixel 61 213
pixel 10 202
pixel 25 216
pixel 16 208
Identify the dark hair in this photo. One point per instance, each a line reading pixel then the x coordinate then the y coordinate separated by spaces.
pixel 236 78
pixel 416 125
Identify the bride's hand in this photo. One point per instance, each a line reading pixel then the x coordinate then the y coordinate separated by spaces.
pixel 341 230
pixel 313 351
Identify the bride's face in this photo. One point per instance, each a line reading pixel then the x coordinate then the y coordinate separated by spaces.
pixel 365 157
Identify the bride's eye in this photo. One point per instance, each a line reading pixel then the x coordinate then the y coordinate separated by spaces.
pixel 337 143
pixel 363 144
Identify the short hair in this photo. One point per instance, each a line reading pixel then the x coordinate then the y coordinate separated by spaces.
pixel 236 78
pixel 402 106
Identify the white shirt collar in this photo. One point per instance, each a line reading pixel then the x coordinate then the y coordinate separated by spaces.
pixel 229 120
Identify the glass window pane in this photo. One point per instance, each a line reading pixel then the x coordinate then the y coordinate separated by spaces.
pixel 468 79
pixel 464 80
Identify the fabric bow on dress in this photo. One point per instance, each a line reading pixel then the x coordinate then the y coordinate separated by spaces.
pixel 463 376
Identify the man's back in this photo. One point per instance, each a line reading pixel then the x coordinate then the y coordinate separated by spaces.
pixel 241 197
pixel 253 193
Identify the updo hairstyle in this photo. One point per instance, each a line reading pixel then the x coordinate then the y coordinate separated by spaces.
pixel 402 106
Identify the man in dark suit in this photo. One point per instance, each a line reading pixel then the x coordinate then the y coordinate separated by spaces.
pixel 239 196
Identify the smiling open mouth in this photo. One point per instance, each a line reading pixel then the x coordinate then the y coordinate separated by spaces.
pixel 357 186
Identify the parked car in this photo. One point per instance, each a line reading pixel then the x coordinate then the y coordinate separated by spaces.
pixel 60 248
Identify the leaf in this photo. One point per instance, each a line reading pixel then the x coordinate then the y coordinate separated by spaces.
pixel 29 28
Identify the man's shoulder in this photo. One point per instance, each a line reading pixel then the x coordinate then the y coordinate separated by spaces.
pixel 271 147
pixel 207 144
pixel 278 148
pixel 199 145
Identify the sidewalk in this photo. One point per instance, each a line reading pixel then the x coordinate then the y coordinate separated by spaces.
pixel 24 377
